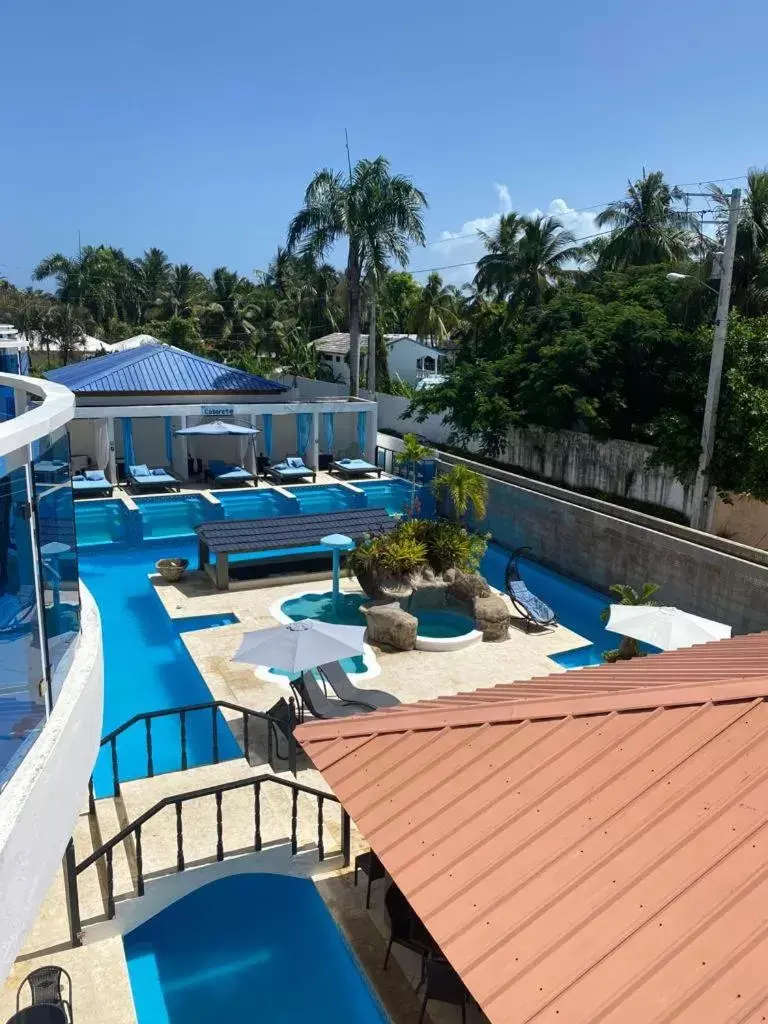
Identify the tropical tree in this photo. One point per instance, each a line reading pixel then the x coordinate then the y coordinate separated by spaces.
pixel 398 295
pixel 629 647
pixel 750 267
pixel 435 314
pixel 377 212
pixel 297 356
pixel 230 307
pixel 465 488
pixel 496 272
pixel 64 325
pixel 410 455
pixel 645 226
pixel 153 270
pixel 184 292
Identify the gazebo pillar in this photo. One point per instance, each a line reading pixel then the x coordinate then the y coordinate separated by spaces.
pixel 182 441
pixel 111 460
pixel 315 442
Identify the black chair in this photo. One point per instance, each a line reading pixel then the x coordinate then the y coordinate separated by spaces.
pixel 372 868
pixel 444 984
pixel 324 460
pixel 311 697
pixel 281 723
pixel 338 680
pixel 406 929
pixel 45 986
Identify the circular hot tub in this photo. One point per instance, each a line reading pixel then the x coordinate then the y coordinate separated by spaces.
pixel 443 630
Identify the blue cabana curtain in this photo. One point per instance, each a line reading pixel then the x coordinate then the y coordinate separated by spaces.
pixel 266 421
pixel 303 428
pixel 328 431
pixel 128 453
pixel 168 441
pixel 362 422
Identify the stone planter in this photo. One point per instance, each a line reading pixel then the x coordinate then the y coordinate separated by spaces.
pixel 172 569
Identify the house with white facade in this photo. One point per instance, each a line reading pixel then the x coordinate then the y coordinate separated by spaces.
pixel 408 357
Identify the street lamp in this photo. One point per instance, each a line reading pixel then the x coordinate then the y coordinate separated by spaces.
pixel 674 278
pixel 702 508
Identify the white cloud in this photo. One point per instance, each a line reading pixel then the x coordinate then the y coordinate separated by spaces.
pixel 464 246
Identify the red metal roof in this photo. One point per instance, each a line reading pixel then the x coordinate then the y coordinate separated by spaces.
pixel 595 853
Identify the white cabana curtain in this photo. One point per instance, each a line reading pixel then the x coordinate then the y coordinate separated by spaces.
pixel 102 444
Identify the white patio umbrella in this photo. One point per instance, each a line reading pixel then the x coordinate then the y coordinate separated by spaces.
pixel 218 428
pixel 302 645
pixel 667 628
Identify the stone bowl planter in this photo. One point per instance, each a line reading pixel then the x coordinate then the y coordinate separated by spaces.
pixel 172 569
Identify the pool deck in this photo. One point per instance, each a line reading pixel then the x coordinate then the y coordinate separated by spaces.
pixel 99 971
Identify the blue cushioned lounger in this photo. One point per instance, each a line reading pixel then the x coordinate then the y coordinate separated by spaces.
pixel 94 483
pixel 144 479
pixel 355 467
pixel 285 471
pixel 228 473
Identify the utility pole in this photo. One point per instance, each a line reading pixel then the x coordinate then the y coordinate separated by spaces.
pixel 703 505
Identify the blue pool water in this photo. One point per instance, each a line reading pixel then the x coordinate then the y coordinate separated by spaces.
pixel 259 948
pixel 254 504
pixel 176 517
pixel 146 667
pixel 100 522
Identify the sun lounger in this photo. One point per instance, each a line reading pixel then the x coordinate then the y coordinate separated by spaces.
pixel 354 467
pixel 228 473
pixel 292 468
pixel 342 686
pixel 533 610
pixel 311 698
pixel 93 482
pixel 142 478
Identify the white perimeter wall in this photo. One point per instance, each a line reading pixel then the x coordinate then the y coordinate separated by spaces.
pixel 40 804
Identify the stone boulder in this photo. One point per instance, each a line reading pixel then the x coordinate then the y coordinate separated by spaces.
pixel 390 626
pixel 466 586
pixel 491 617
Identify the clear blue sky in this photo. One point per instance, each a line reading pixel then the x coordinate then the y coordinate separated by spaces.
pixel 196 126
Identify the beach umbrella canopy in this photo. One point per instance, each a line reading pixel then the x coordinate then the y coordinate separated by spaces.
pixel 216 429
pixel 667 628
pixel 302 645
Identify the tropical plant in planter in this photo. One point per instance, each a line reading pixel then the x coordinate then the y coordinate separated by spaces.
pixel 467 490
pixel 628 646
pixel 412 453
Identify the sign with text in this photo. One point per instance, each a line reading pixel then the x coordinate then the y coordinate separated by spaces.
pixel 218 410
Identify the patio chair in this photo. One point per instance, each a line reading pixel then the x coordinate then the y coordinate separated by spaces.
pixel 372 868
pixel 142 478
pixel 291 468
pixel 312 698
pixel 354 467
pixel 227 473
pixel 91 481
pixel 344 688
pixel 45 986
pixel 444 985
pixel 406 929
pixel 533 610
pixel 280 724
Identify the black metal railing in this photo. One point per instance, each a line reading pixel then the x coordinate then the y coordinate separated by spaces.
pixel 276 726
pixel 134 829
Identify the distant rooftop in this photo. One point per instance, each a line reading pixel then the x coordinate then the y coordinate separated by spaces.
pixel 154 368
pixel 338 343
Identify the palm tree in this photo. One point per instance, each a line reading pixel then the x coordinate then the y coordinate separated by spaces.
pixel 28 317
pixel 410 455
pixel 100 279
pixel 297 356
pixel 465 488
pixel 750 267
pixel 230 303
pixel 526 258
pixel 64 324
pixel 154 273
pixel 543 250
pixel 185 290
pixel 628 647
pixel 378 212
pixel 495 272
pixel 435 315
pixel 646 227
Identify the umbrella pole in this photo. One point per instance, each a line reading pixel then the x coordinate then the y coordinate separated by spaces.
pixel 336 574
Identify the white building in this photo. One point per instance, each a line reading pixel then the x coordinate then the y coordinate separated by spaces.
pixel 407 356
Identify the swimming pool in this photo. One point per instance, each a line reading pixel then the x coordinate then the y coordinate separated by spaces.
pixel 161 517
pixel 250 947
pixel 146 667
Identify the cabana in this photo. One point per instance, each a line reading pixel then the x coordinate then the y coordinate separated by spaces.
pixel 135 407
pixel 218 471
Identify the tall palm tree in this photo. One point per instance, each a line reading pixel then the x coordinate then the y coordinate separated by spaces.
pixel 377 212
pixel 154 273
pixel 543 251
pixel 496 271
pixel 100 279
pixel 411 454
pixel 230 302
pixel 65 325
pixel 435 316
pixel 646 227
pixel 185 290
pixel 750 267
pixel 466 489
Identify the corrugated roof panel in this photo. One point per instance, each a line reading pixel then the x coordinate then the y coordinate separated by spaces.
pixel 157 368
pixel 579 862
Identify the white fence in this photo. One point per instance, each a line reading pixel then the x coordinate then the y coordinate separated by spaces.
pixel 577 460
